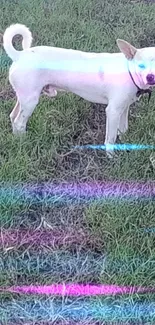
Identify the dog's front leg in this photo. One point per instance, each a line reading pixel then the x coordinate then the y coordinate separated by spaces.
pixel 123 123
pixel 113 114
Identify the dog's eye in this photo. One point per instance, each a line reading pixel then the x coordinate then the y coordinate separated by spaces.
pixel 141 66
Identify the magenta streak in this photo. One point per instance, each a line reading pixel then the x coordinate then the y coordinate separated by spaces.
pixel 79 289
pixel 66 322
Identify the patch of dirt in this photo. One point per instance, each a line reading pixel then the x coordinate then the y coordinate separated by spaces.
pixel 7 93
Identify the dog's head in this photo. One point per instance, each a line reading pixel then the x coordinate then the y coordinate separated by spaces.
pixel 143 59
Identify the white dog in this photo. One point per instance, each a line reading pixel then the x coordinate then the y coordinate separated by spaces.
pixel 114 79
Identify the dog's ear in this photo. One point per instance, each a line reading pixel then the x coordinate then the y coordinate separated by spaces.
pixel 126 48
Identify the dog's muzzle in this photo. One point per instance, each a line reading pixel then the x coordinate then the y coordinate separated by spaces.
pixel 140 91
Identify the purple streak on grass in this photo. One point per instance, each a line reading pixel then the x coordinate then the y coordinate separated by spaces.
pixel 94 190
pixel 75 193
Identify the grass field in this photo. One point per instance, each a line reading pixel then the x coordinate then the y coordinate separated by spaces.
pixel 45 154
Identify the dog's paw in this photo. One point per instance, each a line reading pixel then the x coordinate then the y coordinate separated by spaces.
pixel 109 150
pixel 18 132
pixel 110 154
pixel 120 136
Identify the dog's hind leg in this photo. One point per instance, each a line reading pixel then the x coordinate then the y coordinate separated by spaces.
pixel 14 112
pixel 25 110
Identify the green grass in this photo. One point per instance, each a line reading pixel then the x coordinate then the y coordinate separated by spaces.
pixel 45 154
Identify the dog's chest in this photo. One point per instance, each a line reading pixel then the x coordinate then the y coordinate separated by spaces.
pixel 134 98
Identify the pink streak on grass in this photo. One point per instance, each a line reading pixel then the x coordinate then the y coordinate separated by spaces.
pixel 53 238
pixel 79 290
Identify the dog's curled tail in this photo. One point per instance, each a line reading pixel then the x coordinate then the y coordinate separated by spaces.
pixel 12 31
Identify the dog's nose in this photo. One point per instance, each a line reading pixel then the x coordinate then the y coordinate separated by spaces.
pixel 150 78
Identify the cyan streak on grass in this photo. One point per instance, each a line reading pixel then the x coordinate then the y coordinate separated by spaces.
pixel 48 193
pixel 118 147
pixel 62 265
pixel 77 310
pixel 79 289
